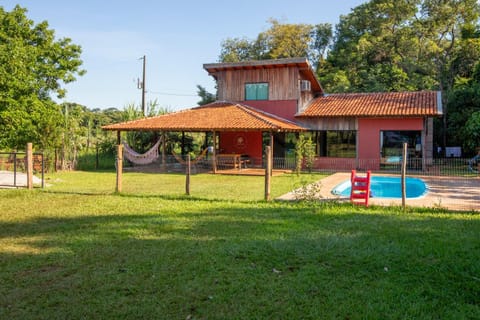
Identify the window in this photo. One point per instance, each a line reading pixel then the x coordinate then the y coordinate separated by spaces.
pixel 391 142
pixel 338 144
pixel 256 91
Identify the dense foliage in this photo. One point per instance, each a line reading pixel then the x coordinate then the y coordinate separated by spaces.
pixel 33 66
pixel 282 40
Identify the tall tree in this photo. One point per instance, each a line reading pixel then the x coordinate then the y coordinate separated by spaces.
pixel 401 45
pixel 205 96
pixel 33 65
pixel 405 45
pixel 281 40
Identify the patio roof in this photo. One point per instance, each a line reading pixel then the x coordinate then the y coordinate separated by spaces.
pixel 384 104
pixel 216 116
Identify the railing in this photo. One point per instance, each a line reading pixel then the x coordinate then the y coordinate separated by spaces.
pixel 437 166
pixel 452 183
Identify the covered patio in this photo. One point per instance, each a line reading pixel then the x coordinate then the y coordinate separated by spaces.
pixel 237 131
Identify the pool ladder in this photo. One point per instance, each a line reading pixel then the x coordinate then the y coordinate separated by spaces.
pixel 360 192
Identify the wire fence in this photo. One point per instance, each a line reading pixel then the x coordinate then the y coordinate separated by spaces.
pixel 451 183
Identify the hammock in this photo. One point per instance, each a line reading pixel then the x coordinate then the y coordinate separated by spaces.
pixel 197 159
pixel 146 158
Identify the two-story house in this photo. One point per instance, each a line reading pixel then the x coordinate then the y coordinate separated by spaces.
pixel 357 130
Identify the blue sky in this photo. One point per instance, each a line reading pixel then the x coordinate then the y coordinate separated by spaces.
pixel 177 37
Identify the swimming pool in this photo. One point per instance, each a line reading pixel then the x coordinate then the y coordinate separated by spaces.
pixel 387 187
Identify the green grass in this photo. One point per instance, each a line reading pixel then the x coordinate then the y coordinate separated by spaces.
pixel 202 186
pixel 79 251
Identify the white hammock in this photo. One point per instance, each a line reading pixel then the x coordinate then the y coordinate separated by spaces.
pixel 146 158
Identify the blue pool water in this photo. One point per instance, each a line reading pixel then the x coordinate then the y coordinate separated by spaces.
pixel 387 187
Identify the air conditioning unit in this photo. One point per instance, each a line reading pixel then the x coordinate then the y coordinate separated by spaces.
pixel 305 85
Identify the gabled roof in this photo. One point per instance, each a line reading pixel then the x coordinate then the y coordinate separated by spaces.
pixel 385 104
pixel 216 116
pixel 301 63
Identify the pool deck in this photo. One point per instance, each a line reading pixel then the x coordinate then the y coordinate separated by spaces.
pixel 453 193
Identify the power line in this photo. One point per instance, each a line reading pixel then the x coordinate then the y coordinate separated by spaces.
pixel 173 94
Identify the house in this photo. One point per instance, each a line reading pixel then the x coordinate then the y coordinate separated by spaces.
pixel 358 130
pixel 271 100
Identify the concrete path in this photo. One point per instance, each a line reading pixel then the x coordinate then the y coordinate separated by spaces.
pixel 7 179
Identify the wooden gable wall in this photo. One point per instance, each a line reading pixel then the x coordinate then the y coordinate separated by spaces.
pixel 283 83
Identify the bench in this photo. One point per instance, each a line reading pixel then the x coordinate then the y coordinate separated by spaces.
pixel 233 160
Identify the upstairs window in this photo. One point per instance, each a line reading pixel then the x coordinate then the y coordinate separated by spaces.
pixel 256 91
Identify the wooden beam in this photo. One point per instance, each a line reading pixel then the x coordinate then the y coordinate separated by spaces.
pixel 271 152
pixel 214 155
pixel 164 150
pixel 268 170
pixel 118 186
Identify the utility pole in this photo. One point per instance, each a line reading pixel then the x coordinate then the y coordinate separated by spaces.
pixel 141 85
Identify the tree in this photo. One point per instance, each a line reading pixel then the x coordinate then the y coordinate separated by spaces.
pixel 304 154
pixel 33 65
pixel 464 110
pixel 406 45
pixel 205 96
pixel 403 45
pixel 281 40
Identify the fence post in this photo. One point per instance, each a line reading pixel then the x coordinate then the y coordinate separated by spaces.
pixel 118 187
pixel 187 178
pixel 404 171
pixel 29 166
pixel 268 169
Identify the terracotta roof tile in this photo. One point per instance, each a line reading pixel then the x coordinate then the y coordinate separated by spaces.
pixel 218 116
pixel 387 104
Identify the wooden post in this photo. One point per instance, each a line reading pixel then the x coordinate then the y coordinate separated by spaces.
pixel 271 153
pixel 118 187
pixel 268 169
pixel 404 172
pixel 29 166
pixel 164 151
pixel 214 155
pixel 187 178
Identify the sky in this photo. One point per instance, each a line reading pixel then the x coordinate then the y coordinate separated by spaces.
pixel 176 37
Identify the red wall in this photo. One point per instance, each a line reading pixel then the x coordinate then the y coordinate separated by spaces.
pixel 369 133
pixel 241 142
pixel 282 108
pixel 369 144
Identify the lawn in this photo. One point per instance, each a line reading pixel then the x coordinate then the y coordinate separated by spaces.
pixel 79 251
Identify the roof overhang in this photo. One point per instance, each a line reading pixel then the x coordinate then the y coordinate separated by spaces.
pixel 216 116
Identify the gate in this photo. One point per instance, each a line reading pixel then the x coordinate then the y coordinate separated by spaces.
pixel 13 168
